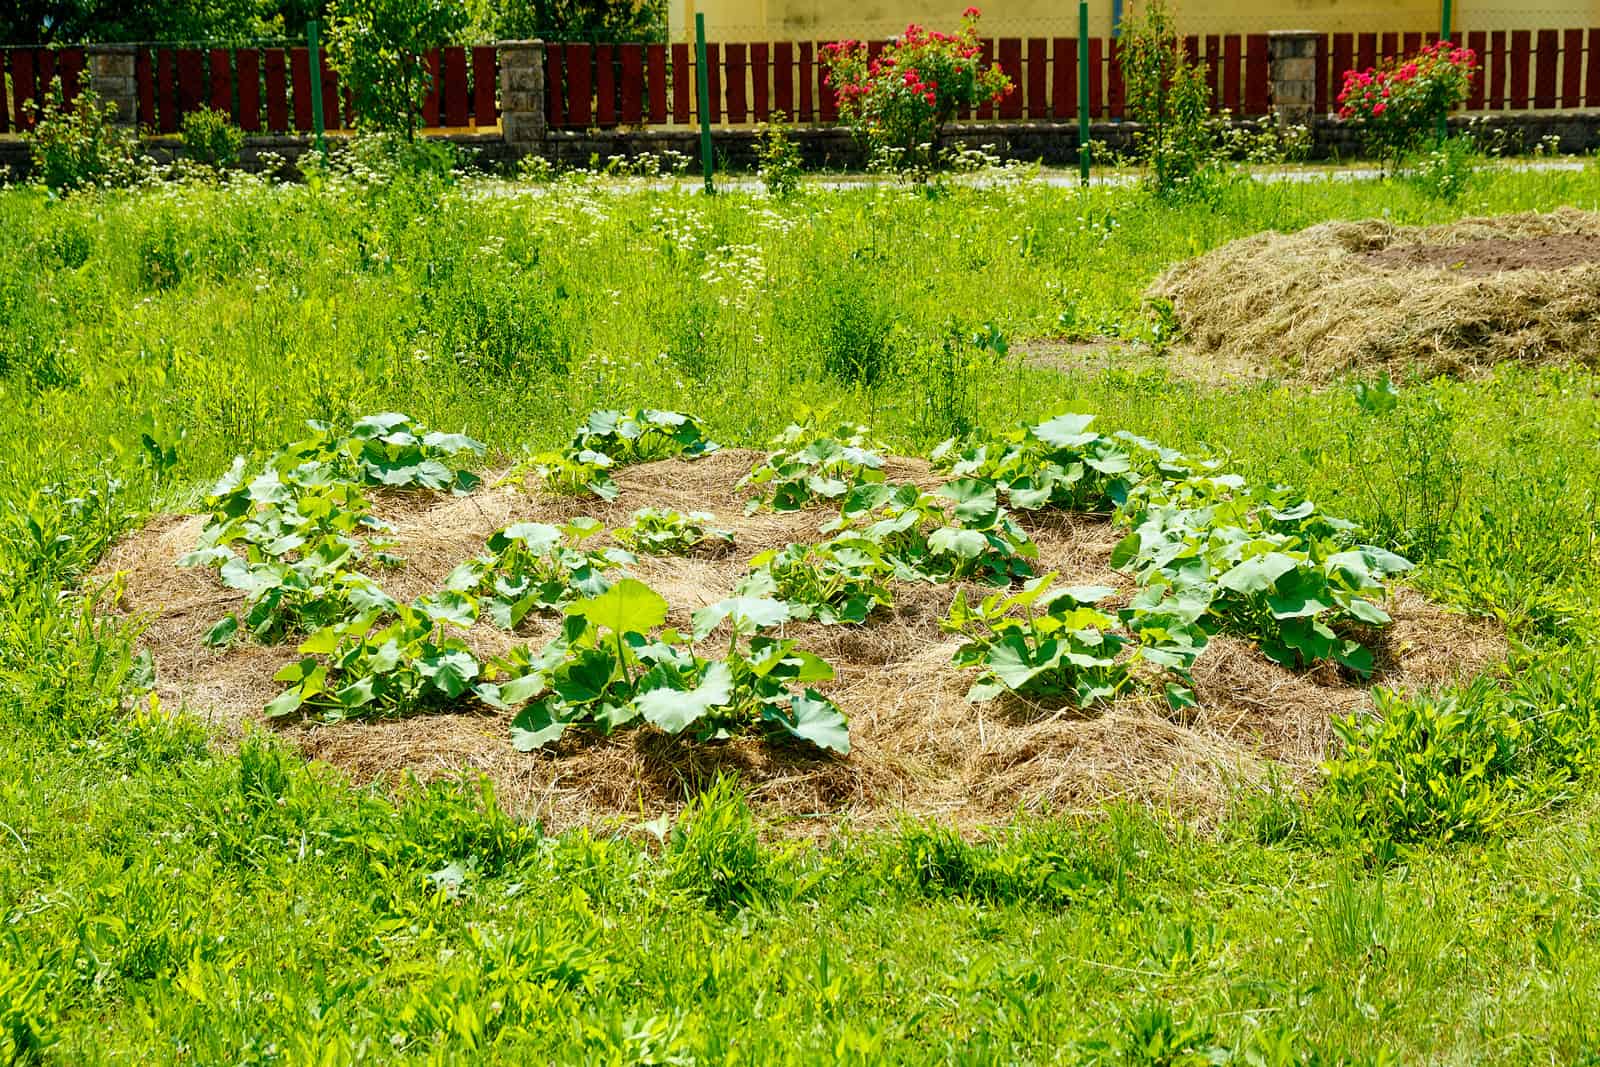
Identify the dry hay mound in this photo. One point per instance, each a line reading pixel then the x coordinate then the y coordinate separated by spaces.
pixel 917 746
pixel 1358 296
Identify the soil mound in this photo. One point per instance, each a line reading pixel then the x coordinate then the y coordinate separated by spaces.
pixel 1347 297
pixel 917 746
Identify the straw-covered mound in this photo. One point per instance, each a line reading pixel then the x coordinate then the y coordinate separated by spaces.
pixel 917 745
pixel 1361 296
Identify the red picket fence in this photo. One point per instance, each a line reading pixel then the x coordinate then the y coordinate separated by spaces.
pixel 630 84
pixel 1522 69
pixel 30 71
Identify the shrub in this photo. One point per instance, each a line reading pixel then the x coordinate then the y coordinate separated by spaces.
pixel 209 138
pixel 1397 103
pixel 71 149
pixel 898 101
pixel 778 158
pixel 378 48
pixel 1169 98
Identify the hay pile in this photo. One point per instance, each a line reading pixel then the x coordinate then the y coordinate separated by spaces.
pixel 1347 297
pixel 917 746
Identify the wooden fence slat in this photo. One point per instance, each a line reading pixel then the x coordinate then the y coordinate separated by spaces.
pixel 44 72
pixel 783 78
pixel 1591 89
pixel 430 102
pixel 22 87
pixel 987 110
pixel 580 86
pixel 330 93
pixel 682 83
pixel 1390 45
pixel 655 62
pixel 456 101
pixel 1572 69
pixel 1478 41
pixel 734 69
pixel 1320 101
pixel 1214 70
pixel 1064 76
pixel 277 83
pixel 807 81
pixel 248 64
pixel 300 87
pixel 1096 67
pixel 760 72
pixel 1232 60
pixel 191 80
pixel 221 81
pixel 1521 40
pixel 1256 60
pixel 632 60
pixel 1497 78
pixel 605 86
pixel 555 107
pixel 1411 44
pixel 1038 73
pixel 167 89
pixel 144 83
pixel 1546 56
pixel 1343 58
pixel 5 102
pixel 485 73
pixel 1366 51
pixel 827 97
pixel 1116 86
pixel 714 79
pixel 70 64
pixel 1010 52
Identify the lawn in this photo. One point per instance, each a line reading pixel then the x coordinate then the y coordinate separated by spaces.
pixel 174 894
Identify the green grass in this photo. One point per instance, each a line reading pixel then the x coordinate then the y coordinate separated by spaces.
pixel 166 899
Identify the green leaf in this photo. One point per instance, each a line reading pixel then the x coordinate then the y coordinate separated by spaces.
pixel 975 499
pixel 965 544
pixel 223 633
pixel 629 605
pixel 285 703
pixel 537 537
pixel 1126 552
pixel 1367 611
pixel 1065 431
pixel 1258 573
pixel 814 718
pixel 450 672
pixel 675 710
pixel 748 614
pixel 536 726
pixel 449 607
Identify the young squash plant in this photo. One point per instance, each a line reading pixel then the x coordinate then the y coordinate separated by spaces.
pixel 416 662
pixel 808 469
pixel 919 540
pixel 665 532
pixel 842 580
pixel 614 667
pixel 642 434
pixel 534 566
pixel 573 472
pixel 1059 463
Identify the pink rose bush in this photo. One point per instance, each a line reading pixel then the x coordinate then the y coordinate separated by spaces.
pixel 899 99
pixel 1397 103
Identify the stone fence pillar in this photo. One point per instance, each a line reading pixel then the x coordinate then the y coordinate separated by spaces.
pixel 522 117
pixel 1293 75
pixel 110 71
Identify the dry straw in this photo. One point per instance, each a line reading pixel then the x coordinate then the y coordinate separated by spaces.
pixel 1347 297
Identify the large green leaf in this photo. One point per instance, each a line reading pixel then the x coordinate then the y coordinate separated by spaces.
pixel 1065 431
pixel 675 710
pixel 628 606
pixel 814 718
pixel 964 544
pixel 536 726
pixel 748 615
pixel 1258 573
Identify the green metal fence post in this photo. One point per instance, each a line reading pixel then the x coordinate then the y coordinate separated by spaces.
pixel 1083 90
pixel 315 62
pixel 703 93
pixel 1444 35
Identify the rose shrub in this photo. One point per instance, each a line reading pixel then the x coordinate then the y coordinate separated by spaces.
pixel 1397 103
pixel 898 100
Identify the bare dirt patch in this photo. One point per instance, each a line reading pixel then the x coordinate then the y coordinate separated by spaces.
pixel 1347 297
pixel 917 746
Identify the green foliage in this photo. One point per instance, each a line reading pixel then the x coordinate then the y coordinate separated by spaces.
pixel 566 473
pixel 612 668
pixel 812 468
pixel 642 434
pixel 778 157
pixel 1059 463
pixel 408 665
pixel 1169 97
pixel 714 851
pixel 535 566
pixel 378 48
pixel 659 532
pixel 81 147
pixel 919 542
pixel 602 21
pixel 209 137
pixel 839 581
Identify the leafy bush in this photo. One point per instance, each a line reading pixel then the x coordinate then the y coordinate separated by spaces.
pixel 838 581
pixel 1400 101
pixel 210 138
pixel 919 542
pixel 535 566
pixel 714 851
pixel 898 101
pixel 812 467
pixel 1059 463
pixel 1168 97
pixel 82 146
pixel 378 47
pixel 778 157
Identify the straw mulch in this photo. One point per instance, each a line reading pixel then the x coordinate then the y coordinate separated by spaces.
pixel 918 747
pixel 1359 297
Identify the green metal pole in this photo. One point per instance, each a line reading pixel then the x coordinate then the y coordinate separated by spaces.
pixel 1444 35
pixel 316 86
pixel 703 92
pixel 1083 90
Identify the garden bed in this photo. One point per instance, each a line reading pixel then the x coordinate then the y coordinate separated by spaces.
pixel 917 745
pixel 1362 297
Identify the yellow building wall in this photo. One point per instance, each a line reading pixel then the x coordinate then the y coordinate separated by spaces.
pixel 827 20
